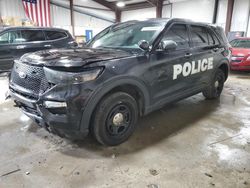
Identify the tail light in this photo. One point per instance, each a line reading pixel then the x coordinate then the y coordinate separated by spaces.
pixel 227 52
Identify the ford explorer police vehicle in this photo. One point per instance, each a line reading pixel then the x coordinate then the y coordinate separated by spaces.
pixel 126 71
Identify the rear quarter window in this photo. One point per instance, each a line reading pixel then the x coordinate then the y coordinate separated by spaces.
pixel 199 36
pixel 221 34
pixel 53 35
pixel 213 40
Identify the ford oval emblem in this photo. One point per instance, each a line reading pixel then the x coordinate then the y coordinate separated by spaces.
pixel 22 75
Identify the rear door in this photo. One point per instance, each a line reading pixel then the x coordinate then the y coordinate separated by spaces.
pixel 204 54
pixel 33 40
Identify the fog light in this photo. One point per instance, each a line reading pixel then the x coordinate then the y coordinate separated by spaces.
pixel 54 104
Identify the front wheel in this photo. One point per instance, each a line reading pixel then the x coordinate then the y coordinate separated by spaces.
pixel 216 86
pixel 114 119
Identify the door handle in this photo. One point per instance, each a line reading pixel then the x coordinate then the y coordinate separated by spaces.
pixel 215 49
pixel 20 47
pixel 47 45
pixel 188 55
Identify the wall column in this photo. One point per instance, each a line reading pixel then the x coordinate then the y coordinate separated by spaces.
pixel 230 6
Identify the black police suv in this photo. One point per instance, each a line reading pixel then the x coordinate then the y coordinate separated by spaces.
pixel 128 70
pixel 16 41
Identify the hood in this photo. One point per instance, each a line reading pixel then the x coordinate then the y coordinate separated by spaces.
pixel 240 51
pixel 72 57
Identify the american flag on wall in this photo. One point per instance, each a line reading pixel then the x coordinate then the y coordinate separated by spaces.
pixel 38 11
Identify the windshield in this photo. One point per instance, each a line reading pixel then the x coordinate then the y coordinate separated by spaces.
pixel 126 35
pixel 240 43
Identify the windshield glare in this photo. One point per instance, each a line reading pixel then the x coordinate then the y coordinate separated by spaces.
pixel 240 43
pixel 126 35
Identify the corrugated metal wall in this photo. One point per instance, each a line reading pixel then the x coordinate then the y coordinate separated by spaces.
pixel 60 17
pixel 11 8
pixel 240 15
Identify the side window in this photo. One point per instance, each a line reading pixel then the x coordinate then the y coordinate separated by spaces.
pixel 179 34
pixel 213 40
pixel 32 35
pixel 4 38
pixel 199 36
pixel 15 37
pixel 11 37
pixel 53 35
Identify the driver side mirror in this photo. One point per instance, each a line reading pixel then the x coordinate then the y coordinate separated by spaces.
pixel 168 45
pixel 143 44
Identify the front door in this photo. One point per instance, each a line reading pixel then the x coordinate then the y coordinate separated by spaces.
pixel 168 73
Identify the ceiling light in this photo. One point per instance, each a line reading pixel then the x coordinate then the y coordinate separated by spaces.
pixel 120 4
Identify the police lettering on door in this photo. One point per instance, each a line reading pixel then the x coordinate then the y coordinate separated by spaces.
pixel 192 68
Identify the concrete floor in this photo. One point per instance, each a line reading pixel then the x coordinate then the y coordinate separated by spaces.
pixel 193 143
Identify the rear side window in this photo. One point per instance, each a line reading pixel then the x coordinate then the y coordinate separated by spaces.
pixel 221 34
pixel 53 35
pixel 199 36
pixel 212 39
pixel 179 34
pixel 33 35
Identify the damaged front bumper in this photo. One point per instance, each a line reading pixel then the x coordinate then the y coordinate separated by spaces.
pixel 58 110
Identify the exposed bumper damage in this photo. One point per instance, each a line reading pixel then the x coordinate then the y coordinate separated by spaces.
pixel 63 120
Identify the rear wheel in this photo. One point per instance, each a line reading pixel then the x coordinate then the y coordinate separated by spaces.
pixel 214 90
pixel 115 118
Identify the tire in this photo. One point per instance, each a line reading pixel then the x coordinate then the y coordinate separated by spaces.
pixel 114 119
pixel 216 86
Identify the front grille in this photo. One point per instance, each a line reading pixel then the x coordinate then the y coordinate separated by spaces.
pixel 29 77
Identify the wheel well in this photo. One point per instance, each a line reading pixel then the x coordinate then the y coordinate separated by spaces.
pixel 134 92
pixel 224 68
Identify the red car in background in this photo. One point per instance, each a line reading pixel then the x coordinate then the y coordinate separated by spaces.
pixel 240 59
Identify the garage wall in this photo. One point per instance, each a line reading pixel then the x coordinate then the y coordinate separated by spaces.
pixel 87 22
pixel 197 10
pixel 60 17
pixel 167 11
pixel 240 15
pixel 222 13
pixel 11 8
pixel 82 22
pixel 138 14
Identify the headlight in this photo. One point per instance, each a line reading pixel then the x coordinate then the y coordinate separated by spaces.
pixel 55 76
